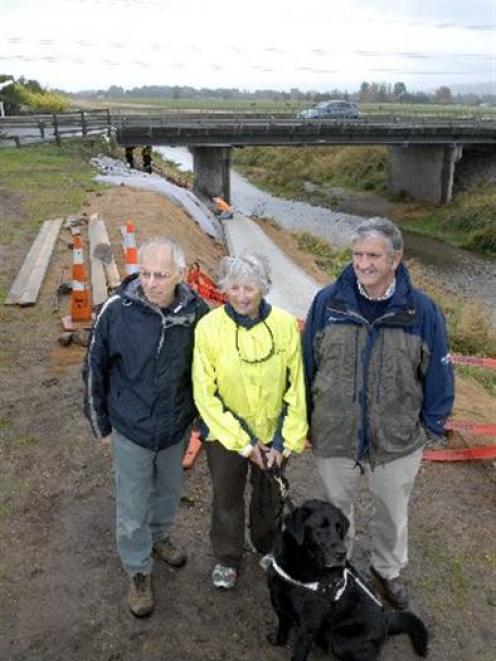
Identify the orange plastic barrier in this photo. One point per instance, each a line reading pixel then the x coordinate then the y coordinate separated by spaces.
pixel 463 454
pixel 204 286
pixel 484 429
pixel 475 361
pixel 194 447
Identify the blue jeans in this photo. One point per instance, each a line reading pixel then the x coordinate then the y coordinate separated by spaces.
pixel 148 489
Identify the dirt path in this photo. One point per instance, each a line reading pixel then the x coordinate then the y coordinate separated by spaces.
pixel 62 592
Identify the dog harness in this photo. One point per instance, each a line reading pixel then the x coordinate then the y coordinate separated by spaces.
pixel 339 585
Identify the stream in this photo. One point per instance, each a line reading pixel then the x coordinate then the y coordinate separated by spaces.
pixel 458 271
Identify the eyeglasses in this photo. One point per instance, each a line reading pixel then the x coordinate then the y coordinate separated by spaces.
pixel 160 276
pixel 271 352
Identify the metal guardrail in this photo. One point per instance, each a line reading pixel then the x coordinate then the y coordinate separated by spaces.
pixel 244 128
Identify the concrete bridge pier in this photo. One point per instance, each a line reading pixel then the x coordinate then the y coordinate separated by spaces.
pixel 212 170
pixel 423 172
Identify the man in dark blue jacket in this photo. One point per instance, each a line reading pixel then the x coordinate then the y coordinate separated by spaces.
pixel 380 384
pixel 139 398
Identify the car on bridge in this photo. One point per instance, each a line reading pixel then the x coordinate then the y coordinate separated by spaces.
pixel 331 110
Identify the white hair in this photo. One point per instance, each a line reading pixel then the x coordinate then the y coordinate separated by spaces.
pixel 168 242
pixel 252 268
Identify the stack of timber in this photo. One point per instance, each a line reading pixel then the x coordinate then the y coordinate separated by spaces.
pixel 27 284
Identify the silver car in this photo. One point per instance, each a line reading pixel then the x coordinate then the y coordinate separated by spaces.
pixel 331 110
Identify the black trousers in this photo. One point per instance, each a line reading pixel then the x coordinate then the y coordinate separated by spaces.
pixel 229 472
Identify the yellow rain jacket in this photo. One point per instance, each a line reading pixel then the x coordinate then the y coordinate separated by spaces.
pixel 269 396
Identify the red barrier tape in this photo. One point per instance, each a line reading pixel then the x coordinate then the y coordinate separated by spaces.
pixel 474 361
pixel 464 454
pixel 472 427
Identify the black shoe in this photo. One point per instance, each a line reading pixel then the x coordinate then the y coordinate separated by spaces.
pixel 393 590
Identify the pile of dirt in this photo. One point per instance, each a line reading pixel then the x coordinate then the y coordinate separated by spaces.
pixel 62 591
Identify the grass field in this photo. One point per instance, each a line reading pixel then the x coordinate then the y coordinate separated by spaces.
pixel 46 181
pixel 272 106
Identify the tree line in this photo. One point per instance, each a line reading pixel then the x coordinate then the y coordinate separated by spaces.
pixel 368 92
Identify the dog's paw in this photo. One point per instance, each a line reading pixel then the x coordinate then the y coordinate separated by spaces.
pixel 276 638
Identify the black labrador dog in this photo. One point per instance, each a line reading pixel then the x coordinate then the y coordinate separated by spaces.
pixel 316 591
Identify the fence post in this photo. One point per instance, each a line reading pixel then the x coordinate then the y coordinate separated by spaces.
pixel 109 124
pixel 84 126
pixel 56 130
pixel 41 126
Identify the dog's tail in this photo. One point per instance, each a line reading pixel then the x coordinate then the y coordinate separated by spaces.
pixel 406 622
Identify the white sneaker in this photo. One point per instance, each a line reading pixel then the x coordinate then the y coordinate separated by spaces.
pixel 265 561
pixel 224 577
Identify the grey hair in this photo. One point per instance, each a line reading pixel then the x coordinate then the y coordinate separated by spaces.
pixel 381 228
pixel 252 268
pixel 177 252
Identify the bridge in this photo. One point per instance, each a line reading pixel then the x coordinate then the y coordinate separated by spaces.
pixel 423 150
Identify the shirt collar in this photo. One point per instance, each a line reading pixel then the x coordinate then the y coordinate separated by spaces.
pixel 387 294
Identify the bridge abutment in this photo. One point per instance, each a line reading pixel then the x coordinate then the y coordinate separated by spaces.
pixel 211 168
pixel 423 172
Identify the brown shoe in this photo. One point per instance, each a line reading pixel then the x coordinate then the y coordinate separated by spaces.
pixel 140 595
pixel 393 590
pixel 169 553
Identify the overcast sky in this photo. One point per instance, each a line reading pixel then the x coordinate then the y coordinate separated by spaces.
pixel 249 44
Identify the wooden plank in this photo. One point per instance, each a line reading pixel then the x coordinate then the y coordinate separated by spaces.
pixel 99 289
pixel 27 284
pixel 103 267
pixel 111 271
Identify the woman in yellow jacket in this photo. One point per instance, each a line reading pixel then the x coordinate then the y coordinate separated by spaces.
pixel 249 389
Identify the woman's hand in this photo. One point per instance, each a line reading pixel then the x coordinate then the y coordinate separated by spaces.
pixel 256 456
pixel 272 457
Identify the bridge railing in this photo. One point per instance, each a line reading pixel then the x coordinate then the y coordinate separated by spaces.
pixel 55 126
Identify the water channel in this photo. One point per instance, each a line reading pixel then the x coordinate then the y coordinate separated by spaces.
pixel 459 271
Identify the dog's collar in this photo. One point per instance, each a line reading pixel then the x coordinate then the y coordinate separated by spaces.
pixel 339 585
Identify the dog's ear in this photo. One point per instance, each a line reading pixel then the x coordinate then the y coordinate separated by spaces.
pixel 295 524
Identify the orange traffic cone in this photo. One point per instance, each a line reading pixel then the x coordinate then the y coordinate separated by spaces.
pixel 130 250
pixel 81 298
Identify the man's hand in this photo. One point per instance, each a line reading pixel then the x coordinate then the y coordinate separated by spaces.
pixel 106 440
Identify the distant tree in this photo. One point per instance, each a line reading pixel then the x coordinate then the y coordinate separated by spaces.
pixel 399 91
pixel 443 95
pixel 115 91
pixel 364 91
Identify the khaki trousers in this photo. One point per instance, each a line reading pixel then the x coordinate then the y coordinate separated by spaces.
pixel 390 486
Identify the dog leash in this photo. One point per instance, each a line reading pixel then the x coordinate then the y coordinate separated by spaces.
pixel 276 473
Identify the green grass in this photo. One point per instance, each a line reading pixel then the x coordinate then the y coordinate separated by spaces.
pixel 47 181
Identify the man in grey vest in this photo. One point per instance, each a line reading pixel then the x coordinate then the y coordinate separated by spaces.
pixel 380 385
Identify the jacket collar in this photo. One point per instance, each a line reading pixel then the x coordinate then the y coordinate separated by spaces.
pixel 247 322
pixel 132 291
pixel 345 295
